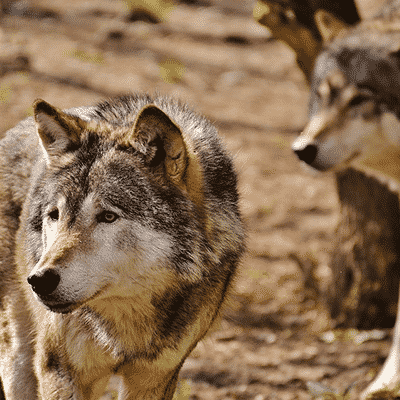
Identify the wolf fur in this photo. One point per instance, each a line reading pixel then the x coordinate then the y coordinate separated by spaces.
pixel 119 237
pixel 354 116
pixel 355 96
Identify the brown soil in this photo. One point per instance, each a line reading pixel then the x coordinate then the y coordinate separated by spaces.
pixel 211 54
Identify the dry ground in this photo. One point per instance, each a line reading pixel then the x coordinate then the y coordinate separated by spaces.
pixel 211 54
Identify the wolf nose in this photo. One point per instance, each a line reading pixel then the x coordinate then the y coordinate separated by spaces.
pixel 307 154
pixel 44 283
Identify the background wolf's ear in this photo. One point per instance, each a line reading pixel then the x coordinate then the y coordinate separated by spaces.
pixel 395 54
pixel 328 25
pixel 58 132
pixel 161 141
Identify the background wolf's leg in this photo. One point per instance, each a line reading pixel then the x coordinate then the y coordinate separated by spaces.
pixel 389 376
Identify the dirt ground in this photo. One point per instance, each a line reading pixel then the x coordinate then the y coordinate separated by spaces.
pixel 275 335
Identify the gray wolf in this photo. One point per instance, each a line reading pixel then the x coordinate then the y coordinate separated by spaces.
pixel 119 237
pixel 354 117
pixel 355 93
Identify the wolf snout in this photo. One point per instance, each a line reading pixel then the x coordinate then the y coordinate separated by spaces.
pixel 306 152
pixel 44 282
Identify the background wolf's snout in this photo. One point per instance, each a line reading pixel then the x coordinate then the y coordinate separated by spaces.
pixel 44 283
pixel 307 153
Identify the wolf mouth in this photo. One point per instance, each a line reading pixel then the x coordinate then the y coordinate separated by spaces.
pixel 56 305
pixel 326 166
pixel 65 308
pixel 353 156
pixel 62 308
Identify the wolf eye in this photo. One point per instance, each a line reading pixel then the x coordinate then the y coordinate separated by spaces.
pixel 54 215
pixel 107 217
pixel 357 100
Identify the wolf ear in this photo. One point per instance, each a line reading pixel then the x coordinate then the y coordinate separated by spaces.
pixel 328 25
pixel 57 130
pixel 396 54
pixel 160 140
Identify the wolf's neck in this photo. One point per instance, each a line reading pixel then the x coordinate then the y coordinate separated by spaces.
pixel 384 165
pixel 118 329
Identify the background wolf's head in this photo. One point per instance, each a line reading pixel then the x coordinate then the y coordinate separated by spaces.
pixel 354 102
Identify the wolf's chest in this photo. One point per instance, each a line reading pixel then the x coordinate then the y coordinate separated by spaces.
pixel 91 348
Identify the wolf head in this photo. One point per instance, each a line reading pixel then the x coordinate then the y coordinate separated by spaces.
pixel 354 104
pixel 113 210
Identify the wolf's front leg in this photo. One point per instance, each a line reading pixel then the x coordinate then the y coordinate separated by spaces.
pixel 95 389
pixel 147 384
pixel 389 376
pixel 60 384
pixel 55 385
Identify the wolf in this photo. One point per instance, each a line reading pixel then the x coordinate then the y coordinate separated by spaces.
pixel 120 234
pixel 354 116
pixel 354 101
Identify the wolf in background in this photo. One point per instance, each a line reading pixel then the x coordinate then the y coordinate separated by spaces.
pixel 119 236
pixel 354 116
pixel 355 93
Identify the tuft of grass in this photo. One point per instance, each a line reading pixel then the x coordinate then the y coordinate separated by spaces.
pixel 5 93
pixel 171 70
pixel 159 9
pixel 183 390
pixel 320 391
pixel 95 58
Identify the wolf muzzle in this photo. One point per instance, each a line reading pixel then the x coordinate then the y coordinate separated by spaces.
pixel 305 152
pixel 44 282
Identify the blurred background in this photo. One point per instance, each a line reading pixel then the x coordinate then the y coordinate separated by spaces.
pixel 275 334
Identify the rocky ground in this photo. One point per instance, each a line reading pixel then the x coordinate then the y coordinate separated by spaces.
pixel 275 335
